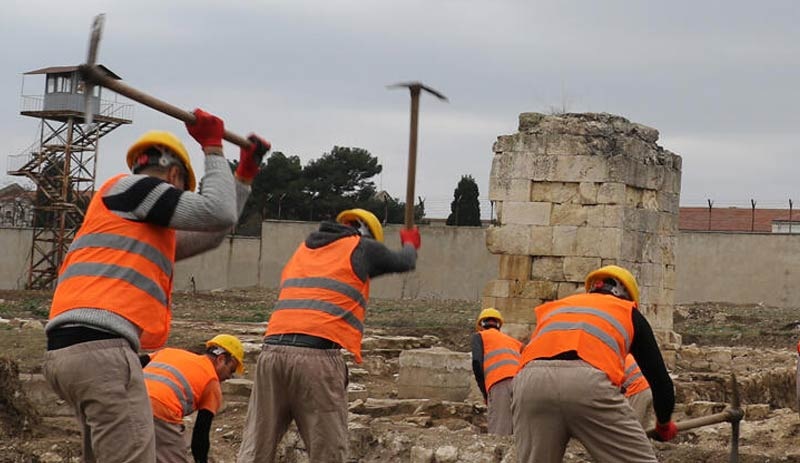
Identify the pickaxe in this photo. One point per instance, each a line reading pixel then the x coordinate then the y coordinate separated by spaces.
pixel 415 88
pixel 732 414
pixel 94 75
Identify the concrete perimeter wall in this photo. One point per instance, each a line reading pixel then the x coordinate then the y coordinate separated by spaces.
pixel 455 264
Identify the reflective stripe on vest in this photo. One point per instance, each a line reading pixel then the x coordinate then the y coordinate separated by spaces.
pixel 598 327
pixel 186 397
pixel 117 272
pixel 597 313
pixel 321 295
pixel 501 356
pixel 124 243
pixel 634 381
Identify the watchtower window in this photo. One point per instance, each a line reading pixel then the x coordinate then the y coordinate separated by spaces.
pixel 59 83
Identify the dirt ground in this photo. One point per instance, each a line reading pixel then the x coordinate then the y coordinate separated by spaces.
pixel 756 342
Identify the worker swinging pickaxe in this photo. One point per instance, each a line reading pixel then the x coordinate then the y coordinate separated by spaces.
pixel 415 88
pixel 94 75
pixel 732 414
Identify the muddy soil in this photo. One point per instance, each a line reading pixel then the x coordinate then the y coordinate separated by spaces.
pixel 757 342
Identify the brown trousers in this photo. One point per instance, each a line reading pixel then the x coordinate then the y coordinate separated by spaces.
pixel 499 404
pixel 555 400
pixel 301 384
pixel 102 381
pixel 171 443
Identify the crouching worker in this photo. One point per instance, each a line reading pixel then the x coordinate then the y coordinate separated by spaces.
pixel 180 382
pixel 638 393
pixel 572 372
pixel 495 361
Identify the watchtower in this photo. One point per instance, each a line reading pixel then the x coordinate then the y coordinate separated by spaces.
pixel 61 163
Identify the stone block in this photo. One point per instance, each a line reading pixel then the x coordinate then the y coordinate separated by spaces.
pixel 650 200
pixel 568 214
pixel 504 143
pixel 565 240
pixel 547 268
pixel 633 197
pixel 509 189
pixel 569 288
pixel 497 288
pixel 599 242
pixel 519 331
pixel 237 389
pixel 508 239
pixel 611 193
pixel 595 215
pixel 535 289
pixel 514 267
pixel 576 268
pixel 544 168
pixel 435 373
pixel 756 412
pixel 541 242
pixel 614 216
pixel 588 192
pixel 580 169
pixel 502 167
pixel 564 193
pixel 529 121
pixel 526 213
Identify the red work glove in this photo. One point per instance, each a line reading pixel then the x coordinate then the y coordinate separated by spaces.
pixel 666 432
pixel 250 158
pixel 207 129
pixel 410 236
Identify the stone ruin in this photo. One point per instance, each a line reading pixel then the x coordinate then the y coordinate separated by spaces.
pixel 574 192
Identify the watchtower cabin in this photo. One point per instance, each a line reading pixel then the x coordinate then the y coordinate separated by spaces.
pixel 62 161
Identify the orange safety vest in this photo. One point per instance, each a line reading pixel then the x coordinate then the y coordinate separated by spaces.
pixel 122 266
pixel 501 356
pixel 634 381
pixel 322 296
pixel 597 326
pixel 176 378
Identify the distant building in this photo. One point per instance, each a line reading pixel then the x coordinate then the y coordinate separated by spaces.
pixel 16 206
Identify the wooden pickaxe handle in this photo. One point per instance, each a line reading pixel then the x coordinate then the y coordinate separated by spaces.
pixel 729 415
pixel 97 77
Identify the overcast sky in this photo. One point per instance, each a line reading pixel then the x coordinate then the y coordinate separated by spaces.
pixel 720 80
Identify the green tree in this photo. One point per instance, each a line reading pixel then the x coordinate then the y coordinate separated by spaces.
pixel 339 180
pixel 465 208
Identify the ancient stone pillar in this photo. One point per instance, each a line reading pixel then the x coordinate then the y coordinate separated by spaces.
pixel 574 192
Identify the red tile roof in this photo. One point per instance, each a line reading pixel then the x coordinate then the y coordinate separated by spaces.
pixel 732 219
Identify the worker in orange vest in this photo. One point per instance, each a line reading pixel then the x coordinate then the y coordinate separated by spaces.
pixel 638 393
pixel 495 361
pixel 179 383
pixel 300 374
pixel 572 371
pixel 115 284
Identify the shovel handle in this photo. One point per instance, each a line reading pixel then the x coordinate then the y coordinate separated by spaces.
pixel 94 76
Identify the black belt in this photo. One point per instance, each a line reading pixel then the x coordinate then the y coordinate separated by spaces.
pixel 60 338
pixel 568 355
pixel 300 340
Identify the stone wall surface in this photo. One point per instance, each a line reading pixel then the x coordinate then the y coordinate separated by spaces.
pixel 574 192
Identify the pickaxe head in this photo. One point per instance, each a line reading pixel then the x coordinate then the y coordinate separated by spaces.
pixel 91 59
pixel 415 88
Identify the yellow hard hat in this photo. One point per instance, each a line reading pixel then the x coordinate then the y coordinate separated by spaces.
pixel 232 345
pixel 169 141
pixel 618 273
pixel 365 216
pixel 491 312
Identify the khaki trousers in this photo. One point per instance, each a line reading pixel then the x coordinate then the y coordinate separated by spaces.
pixel 555 400
pixel 499 404
pixel 171 443
pixel 102 381
pixel 301 384
pixel 642 405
